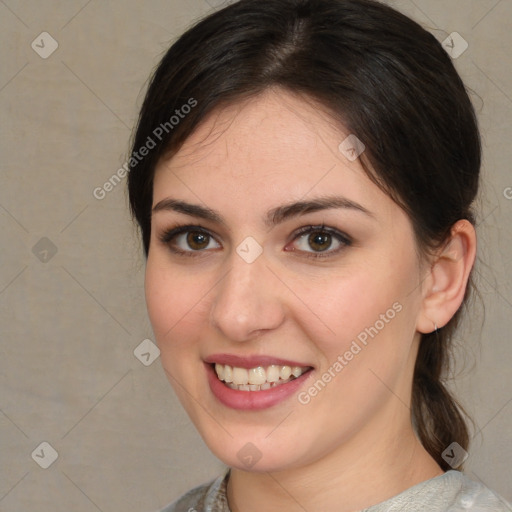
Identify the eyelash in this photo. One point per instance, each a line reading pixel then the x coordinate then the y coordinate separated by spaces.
pixel 170 234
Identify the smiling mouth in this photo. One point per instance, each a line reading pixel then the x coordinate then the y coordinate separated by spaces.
pixel 258 378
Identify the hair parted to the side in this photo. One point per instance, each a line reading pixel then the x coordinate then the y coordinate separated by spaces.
pixel 381 76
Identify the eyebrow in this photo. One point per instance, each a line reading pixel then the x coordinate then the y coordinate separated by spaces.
pixel 273 217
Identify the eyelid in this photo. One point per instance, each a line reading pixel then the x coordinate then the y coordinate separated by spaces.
pixel 322 228
pixel 342 238
pixel 169 234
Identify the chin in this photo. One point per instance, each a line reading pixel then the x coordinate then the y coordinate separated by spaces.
pixel 257 453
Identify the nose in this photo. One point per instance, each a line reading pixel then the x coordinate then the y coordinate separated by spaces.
pixel 247 302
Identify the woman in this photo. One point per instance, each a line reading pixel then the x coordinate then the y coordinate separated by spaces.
pixel 305 207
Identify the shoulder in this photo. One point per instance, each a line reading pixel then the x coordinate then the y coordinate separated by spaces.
pixel 207 497
pixel 450 492
pixel 475 496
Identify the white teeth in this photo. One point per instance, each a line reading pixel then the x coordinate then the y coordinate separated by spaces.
pixel 272 373
pixel 285 372
pixel 258 378
pixel 296 371
pixel 228 374
pixel 240 376
pixel 220 371
pixel 257 375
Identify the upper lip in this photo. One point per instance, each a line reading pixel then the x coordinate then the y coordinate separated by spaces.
pixel 252 361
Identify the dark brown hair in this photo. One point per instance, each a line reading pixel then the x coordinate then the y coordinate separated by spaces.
pixel 380 75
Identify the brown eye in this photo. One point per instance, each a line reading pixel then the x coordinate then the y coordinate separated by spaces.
pixel 197 240
pixel 320 241
pixel 188 240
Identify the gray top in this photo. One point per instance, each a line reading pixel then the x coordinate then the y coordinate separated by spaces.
pixel 449 492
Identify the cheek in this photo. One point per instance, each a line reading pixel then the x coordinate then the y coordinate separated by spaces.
pixel 363 304
pixel 172 306
pixel 369 352
pixel 166 301
pixel 176 301
pixel 159 301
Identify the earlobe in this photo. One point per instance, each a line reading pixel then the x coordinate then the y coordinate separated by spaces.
pixel 446 283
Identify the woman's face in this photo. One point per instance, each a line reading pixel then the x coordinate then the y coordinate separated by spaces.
pixel 329 291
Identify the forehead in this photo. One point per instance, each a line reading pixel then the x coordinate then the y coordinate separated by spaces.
pixel 274 147
pixel 274 126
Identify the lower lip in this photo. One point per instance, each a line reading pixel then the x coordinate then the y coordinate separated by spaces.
pixel 252 400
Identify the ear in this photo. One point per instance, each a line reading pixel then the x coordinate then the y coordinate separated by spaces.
pixel 446 281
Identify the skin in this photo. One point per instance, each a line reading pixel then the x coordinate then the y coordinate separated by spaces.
pixel 246 159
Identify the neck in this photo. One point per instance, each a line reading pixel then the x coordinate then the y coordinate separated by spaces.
pixel 354 477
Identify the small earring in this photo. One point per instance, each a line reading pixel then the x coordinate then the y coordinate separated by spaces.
pixel 435 325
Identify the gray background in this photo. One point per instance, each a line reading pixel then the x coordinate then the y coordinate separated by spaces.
pixel 71 319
